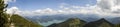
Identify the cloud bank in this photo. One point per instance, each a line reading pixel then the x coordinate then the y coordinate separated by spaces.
pixel 102 8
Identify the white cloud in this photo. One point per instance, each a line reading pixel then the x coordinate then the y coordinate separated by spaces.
pixel 6 1
pixel 13 10
pixel 109 5
pixel 102 8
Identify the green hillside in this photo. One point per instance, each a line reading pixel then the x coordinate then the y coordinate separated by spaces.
pixel 72 22
pixel 21 22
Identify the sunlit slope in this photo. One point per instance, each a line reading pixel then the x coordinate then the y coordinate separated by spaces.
pixel 72 22
pixel 21 22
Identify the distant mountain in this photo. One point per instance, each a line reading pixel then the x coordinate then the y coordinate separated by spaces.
pixel 115 20
pixel 99 23
pixel 49 19
pixel 21 22
pixel 46 18
pixel 75 22
pixel 72 22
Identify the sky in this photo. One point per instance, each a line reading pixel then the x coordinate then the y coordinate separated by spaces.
pixel 52 7
pixel 41 4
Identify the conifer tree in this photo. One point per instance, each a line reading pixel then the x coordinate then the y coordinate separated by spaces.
pixel 2 13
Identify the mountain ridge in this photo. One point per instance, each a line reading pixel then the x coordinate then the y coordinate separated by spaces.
pixel 72 22
pixel 98 23
pixel 22 22
pixel 101 22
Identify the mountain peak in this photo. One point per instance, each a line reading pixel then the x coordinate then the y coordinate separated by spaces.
pixel 72 22
pixel 102 19
pixel 73 19
pixel 101 22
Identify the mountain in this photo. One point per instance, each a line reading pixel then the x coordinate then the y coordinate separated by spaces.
pixel 115 20
pixel 53 25
pixel 19 21
pixel 76 22
pixel 47 18
pixel 99 23
pixel 72 22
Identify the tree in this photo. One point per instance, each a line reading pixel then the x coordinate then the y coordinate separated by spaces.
pixel 2 13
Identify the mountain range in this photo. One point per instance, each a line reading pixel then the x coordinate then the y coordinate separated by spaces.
pixel 50 19
pixel 75 22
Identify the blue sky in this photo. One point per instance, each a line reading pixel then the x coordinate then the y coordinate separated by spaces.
pixel 54 4
pixel 41 7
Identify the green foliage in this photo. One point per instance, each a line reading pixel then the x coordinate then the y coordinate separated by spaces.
pixel 21 22
pixel 2 15
pixel 75 22
pixel 16 19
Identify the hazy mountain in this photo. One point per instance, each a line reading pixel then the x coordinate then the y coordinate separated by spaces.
pixel 72 22
pixel 46 18
pixel 115 20
pixel 50 19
